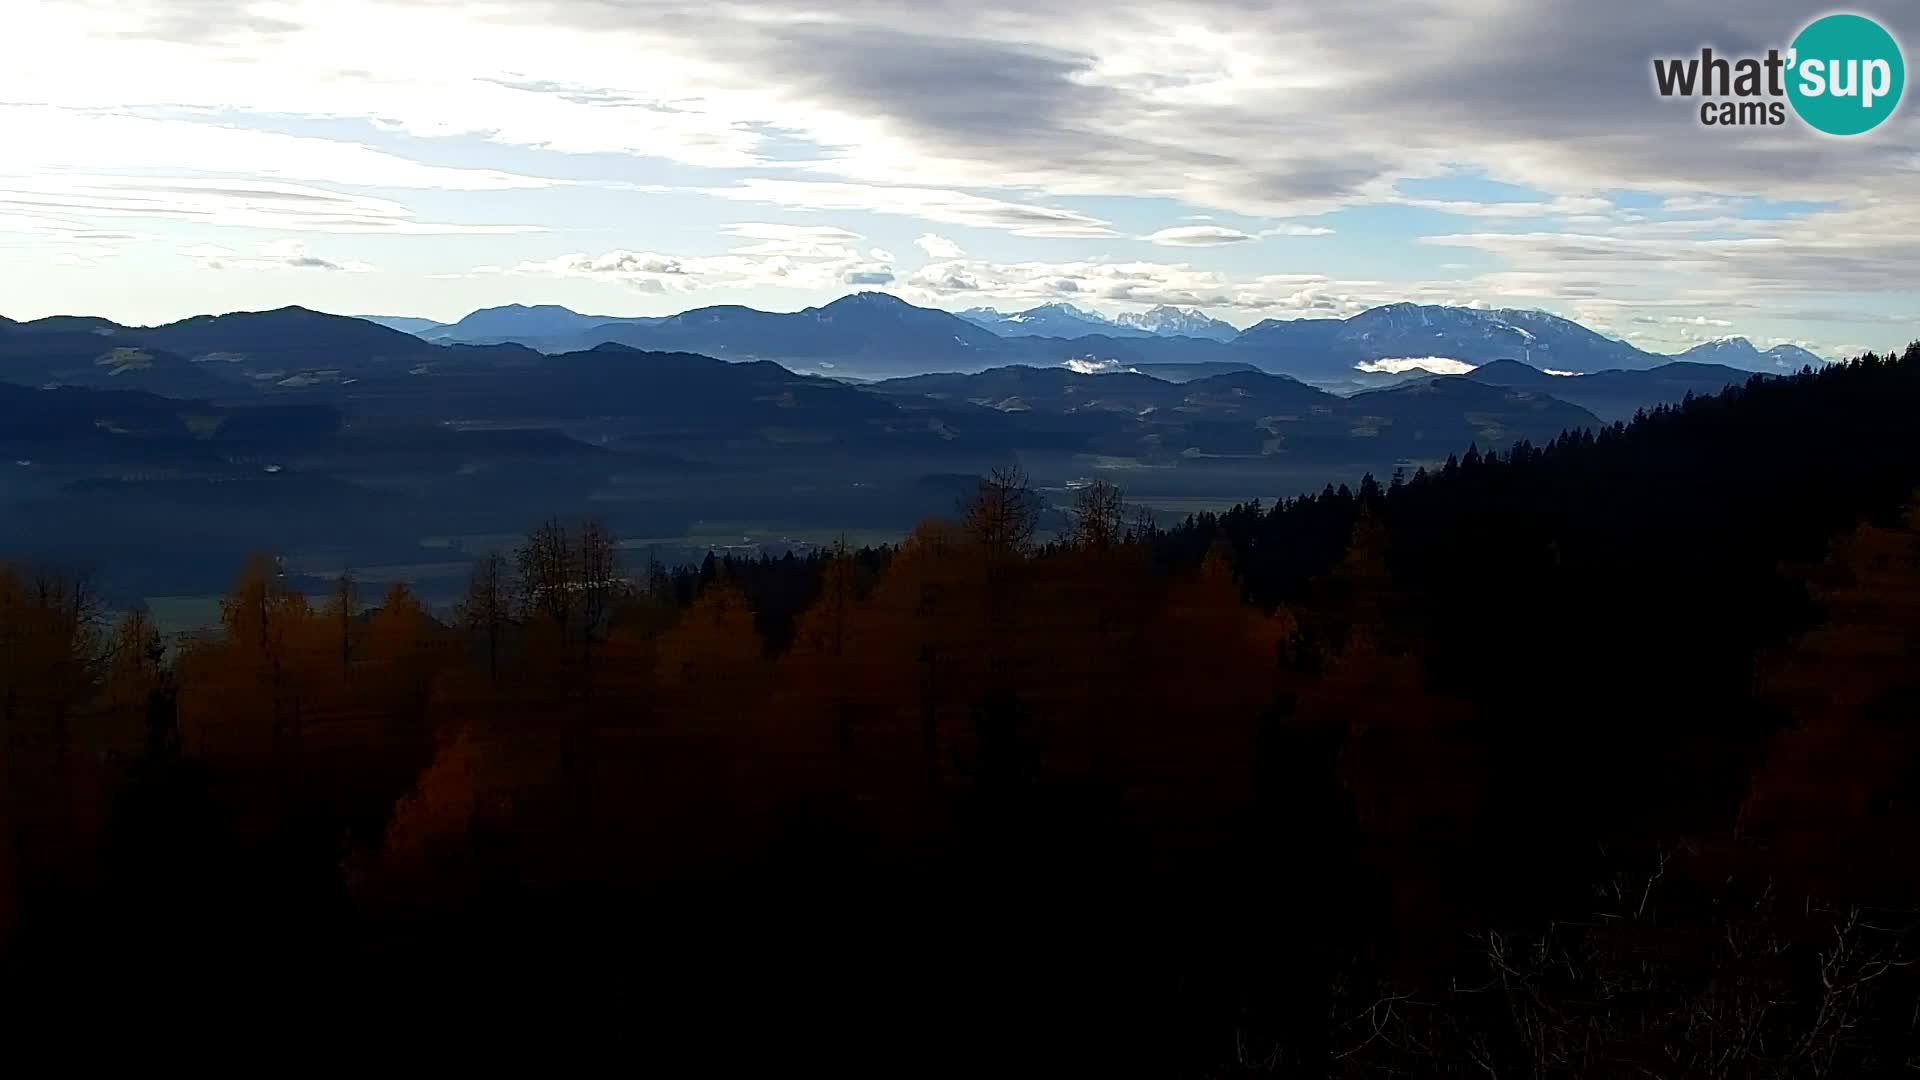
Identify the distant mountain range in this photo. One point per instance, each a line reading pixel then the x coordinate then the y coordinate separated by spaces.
pixel 1050 320
pixel 406 324
pixel 177 448
pixel 234 358
pixel 1407 332
pixel 521 323
pixel 1066 321
pixel 1740 353
pixel 876 335
pixel 1168 321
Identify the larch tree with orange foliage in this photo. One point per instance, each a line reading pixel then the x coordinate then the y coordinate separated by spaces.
pixel 1838 792
pixel 249 690
pixel 711 659
pixel 50 652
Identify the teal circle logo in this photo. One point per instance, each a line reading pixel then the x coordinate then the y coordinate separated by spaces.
pixel 1845 74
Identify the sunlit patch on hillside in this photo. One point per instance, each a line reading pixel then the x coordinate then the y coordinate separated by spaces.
pixel 125 359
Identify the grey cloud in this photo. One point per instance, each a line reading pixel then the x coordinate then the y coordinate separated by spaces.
pixel 1344 97
pixel 1571 83
pixel 868 277
pixel 1555 93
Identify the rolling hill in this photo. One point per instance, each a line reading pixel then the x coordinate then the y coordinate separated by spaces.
pixel 1615 395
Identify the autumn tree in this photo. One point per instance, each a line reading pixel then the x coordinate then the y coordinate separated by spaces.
pixel 819 668
pixel 1143 526
pixel 597 561
pixel 597 564
pixel 545 561
pixel 134 660
pixel 487 608
pixel 714 650
pixel 822 628
pixel 1003 513
pixel 1000 520
pixel 341 608
pixel 261 661
pixel 399 648
pixel 570 583
pixel 49 656
pixel 1099 516
pixel 1838 792
pixel 49 645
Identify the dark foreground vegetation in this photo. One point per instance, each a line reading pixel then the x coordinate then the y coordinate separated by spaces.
pixel 1598 758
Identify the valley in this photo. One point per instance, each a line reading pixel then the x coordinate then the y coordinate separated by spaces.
pixel 343 444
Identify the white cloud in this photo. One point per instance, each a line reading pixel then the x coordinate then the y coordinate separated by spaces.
pixel 1098 367
pixel 1438 365
pixel 805 266
pixel 1566 206
pixel 1197 236
pixel 1291 229
pixel 938 247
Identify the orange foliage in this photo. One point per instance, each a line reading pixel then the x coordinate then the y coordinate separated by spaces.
pixel 1838 792
pixel 714 647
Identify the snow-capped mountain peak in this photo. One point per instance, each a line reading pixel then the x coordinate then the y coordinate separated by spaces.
pixel 1166 320
pixel 1057 319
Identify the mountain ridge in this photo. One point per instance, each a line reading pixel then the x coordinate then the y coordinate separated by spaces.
pixel 1736 351
pixel 1328 348
pixel 875 334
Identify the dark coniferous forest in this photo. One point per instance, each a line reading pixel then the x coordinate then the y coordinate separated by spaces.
pixel 1597 757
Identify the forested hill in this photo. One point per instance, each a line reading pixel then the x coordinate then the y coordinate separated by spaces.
pixel 1712 487
pixel 1605 600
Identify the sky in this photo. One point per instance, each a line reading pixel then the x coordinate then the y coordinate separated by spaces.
pixel 163 158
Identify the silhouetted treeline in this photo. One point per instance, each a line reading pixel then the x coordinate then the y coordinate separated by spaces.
pixel 1598 758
